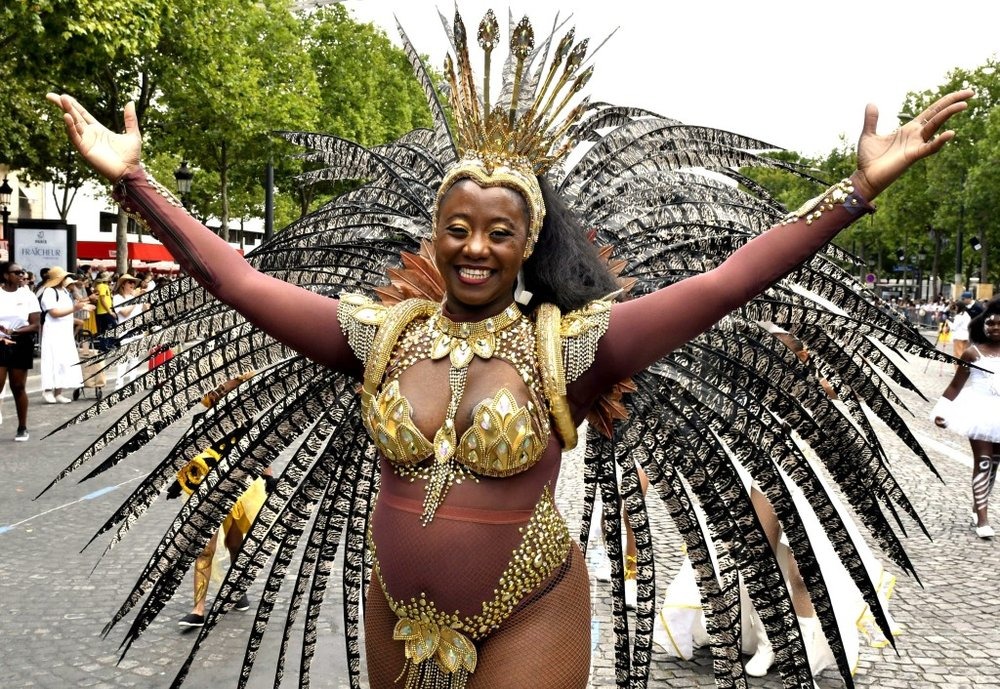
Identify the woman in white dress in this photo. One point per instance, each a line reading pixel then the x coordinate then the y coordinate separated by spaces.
pixel 60 364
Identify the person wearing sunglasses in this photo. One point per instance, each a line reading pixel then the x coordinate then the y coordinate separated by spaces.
pixel 20 316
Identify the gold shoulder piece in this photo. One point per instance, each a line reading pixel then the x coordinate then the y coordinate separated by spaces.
pixel 393 320
pixel 360 318
pixel 581 331
pixel 548 346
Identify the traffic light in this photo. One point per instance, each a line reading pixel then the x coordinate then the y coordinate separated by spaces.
pixel 900 255
pixel 975 243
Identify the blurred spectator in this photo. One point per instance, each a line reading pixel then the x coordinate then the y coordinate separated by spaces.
pixel 59 362
pixel 125 291
pixel 20 316
pixel 82 316
pixel 127 369
pixel 974 307
pixel 146 283
pixel 960 324
pixel 102 300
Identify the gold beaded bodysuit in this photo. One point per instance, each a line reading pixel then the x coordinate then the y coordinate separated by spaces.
pixel 501 434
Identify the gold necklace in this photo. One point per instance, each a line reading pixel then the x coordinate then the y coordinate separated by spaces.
pixel 463 341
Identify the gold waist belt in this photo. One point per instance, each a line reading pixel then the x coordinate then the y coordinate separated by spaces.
pixel 447 638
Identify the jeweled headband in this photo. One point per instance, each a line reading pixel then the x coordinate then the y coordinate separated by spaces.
pixel 512 142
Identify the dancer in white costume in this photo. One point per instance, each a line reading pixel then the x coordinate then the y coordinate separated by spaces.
pixel 681 627
pixel 970 406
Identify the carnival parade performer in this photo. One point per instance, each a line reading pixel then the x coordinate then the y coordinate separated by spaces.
pixel 470 401
pixel 970 406
pixel 237 523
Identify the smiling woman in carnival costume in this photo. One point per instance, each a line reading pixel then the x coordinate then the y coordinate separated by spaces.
pixel 470 400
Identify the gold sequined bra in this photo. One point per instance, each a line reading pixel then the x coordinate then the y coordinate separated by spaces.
pixel 504 438
pixel 500 442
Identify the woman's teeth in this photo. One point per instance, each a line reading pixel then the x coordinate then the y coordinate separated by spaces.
pixel 474 273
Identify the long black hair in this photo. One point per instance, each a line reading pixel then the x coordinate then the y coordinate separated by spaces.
pixel 565 268
pixel 977 327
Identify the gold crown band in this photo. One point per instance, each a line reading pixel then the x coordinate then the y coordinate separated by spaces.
pixel 510 142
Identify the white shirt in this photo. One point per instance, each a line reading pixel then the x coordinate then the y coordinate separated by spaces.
pixel 119 299
pixel 960 326
pixel 17 306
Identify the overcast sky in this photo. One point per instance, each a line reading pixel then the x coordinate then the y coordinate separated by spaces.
pixel 795 73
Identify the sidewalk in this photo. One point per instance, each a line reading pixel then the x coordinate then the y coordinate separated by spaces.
pixel 52 608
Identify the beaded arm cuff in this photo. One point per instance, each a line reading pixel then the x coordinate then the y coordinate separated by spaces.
pixel 840 194
pixel 359 319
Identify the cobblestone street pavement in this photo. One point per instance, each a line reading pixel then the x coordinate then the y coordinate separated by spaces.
pixel 53 606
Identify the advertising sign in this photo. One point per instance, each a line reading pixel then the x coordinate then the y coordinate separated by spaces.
pixel 41 244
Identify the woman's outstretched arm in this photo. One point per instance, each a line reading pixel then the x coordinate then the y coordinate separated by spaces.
pixel 303 320
pixel 645 329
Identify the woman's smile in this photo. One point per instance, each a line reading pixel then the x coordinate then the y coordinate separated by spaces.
pixel 474 276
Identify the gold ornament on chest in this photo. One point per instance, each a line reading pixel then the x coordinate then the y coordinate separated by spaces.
pixel 501 439
pixel 464 341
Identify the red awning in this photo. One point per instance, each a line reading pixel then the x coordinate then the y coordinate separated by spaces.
pixel 137 251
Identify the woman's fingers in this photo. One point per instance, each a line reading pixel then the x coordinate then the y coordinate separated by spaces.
pixel 131 121
pixel 941 110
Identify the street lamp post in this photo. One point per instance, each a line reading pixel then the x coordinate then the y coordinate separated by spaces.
pixel 921 256
pixel 5 192
pixel 183 176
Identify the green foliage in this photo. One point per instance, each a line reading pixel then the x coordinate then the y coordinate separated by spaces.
pixel 955 192
pixel 239 74
pixel 367 90
pixel 212 81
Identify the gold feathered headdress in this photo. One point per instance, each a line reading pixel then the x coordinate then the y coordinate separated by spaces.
pixel 519 137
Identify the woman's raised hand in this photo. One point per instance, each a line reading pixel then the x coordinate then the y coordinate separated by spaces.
pixel 112 155
pixel 882 158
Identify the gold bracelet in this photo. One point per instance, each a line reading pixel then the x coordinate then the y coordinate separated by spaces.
pixel 840 194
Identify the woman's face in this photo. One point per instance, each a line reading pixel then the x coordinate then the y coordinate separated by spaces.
pixel 127 287
pixel 991 327
pixel 479 246
pixel 14 277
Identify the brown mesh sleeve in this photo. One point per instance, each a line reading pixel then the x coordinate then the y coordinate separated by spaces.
pixel 303 320
pixel 645 329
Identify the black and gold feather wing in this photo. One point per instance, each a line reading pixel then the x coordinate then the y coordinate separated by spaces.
pixel 671 201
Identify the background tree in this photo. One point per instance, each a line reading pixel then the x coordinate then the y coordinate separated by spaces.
pixel 367 89
pixel 949 200
pixel 239 74
pixel 212 81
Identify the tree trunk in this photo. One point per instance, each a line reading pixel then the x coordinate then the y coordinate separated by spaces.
pixel 936 264
pixel 121 242
pixel 224 183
